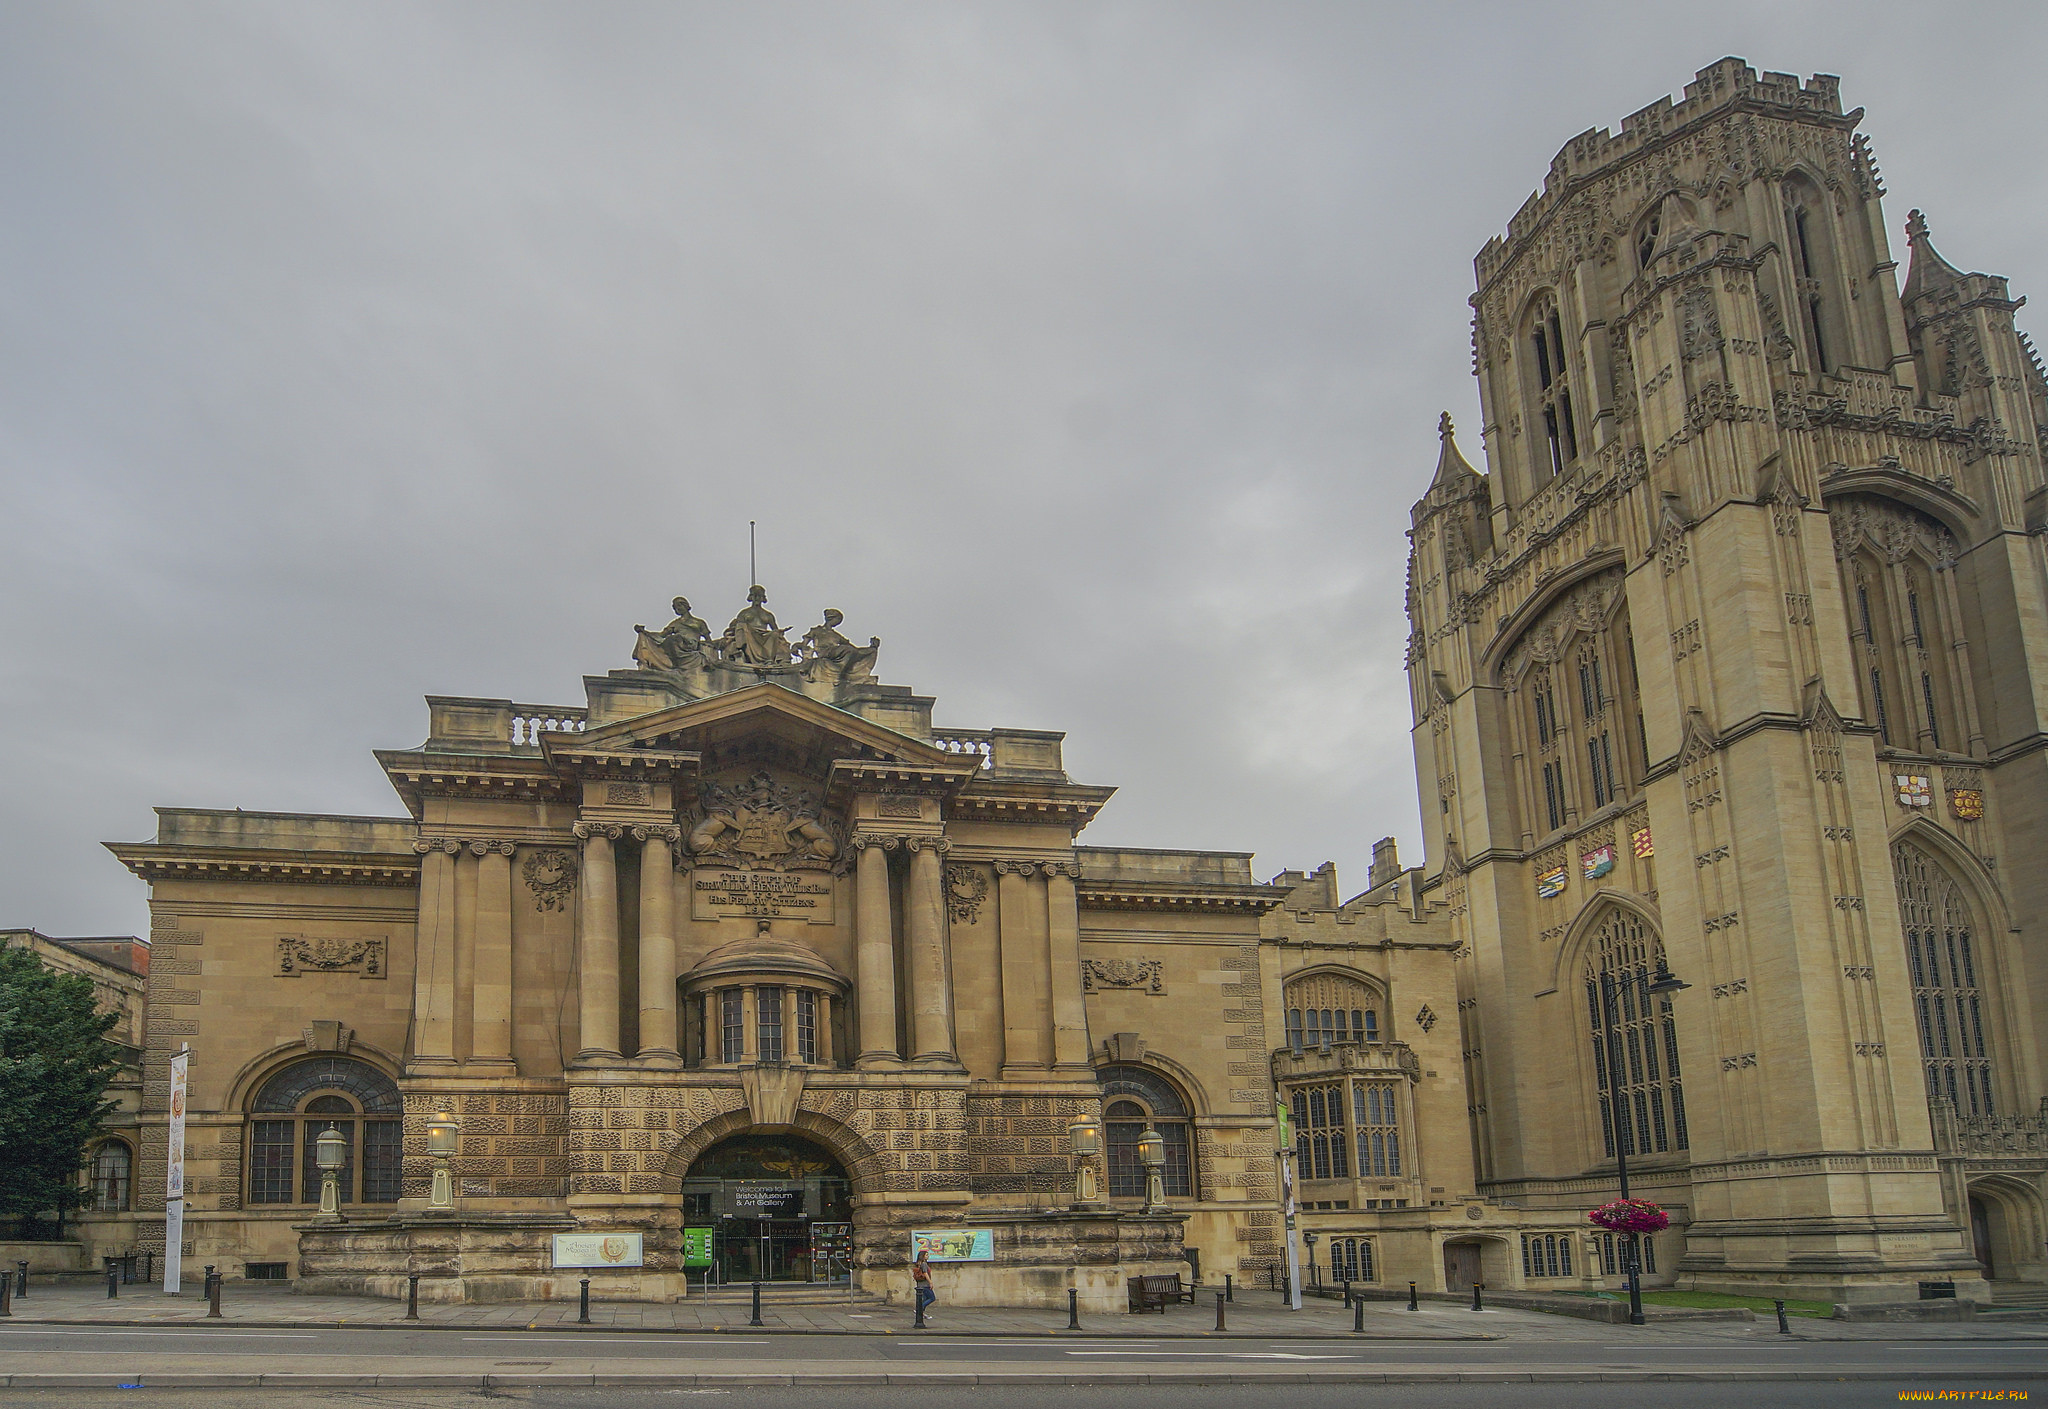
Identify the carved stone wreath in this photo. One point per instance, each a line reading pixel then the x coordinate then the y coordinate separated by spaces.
pixel 966 888
pixel 550 875
pixel 1145 974
pixel 296 955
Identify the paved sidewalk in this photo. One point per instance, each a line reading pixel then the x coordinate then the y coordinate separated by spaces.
pixel 1255 1313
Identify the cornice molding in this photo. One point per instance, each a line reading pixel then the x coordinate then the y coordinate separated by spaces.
pixel 155 863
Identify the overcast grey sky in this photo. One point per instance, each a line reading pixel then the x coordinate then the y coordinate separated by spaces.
pixel 1089 354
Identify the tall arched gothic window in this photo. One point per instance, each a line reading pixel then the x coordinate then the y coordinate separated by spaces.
pixel 1132 1098
pixel 1949 1007
pixel 1904 623
pixel 1553 427
pixel 1577 709
pixel 292 1109
pixel 1635 1040
pixel 1817 287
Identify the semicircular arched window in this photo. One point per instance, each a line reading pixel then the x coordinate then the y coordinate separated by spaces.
pixel 1134 1097
pixel 295 1106
pixel 1331 1008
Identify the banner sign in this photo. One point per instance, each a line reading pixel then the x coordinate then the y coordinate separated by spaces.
pixel 697 1247
pixel 954 1244
pixel 174 1177
pixel 597 1250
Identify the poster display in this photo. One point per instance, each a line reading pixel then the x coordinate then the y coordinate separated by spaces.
pixel 954 1244
pixel 597 1250
pixel 697 1247
pixel 174 1176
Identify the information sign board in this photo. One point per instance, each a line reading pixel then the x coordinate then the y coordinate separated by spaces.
pixel 597 1250
pixel 954 1244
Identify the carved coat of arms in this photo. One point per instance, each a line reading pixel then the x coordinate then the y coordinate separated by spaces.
pixel 761 824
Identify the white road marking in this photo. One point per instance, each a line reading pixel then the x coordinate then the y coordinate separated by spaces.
pixel 124 1331
pixel 1218 1354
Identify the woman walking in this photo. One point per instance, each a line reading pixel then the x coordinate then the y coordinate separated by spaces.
pixel 921 1278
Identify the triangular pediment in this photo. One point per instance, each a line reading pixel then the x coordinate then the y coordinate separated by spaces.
pixel 759 713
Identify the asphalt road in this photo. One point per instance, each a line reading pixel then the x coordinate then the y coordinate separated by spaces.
pixel 1667 1395
pixel 87 1349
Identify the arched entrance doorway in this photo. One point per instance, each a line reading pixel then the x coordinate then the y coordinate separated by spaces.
pixel 773 1207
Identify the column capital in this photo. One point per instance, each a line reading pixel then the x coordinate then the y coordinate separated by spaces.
pixel 671 835
pixel 610 831
pixel 488 846
pixel 886 841
pixel 941 845
pixel 1032 866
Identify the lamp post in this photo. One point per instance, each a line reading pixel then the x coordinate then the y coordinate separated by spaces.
pixel 1152 1154
pixel 1084 1138
pixel 1661 983
pixel 330 1152
pixel 441 1139
pixel 1309 1238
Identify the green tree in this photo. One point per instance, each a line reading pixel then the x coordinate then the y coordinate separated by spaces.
pixel 55 1062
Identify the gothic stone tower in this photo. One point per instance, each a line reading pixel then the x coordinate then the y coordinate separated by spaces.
pixel 1737 660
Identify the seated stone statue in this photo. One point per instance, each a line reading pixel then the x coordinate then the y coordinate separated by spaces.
pixel 830 656
pixel 682 642
pixel 753 638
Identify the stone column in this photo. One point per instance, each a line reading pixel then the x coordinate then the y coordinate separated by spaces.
pixel 597 945
pixel 924 926
pixel 433 979
pixel 465 949
pixel 1063 930
pixel 490 1013
pixel 822 1006
pixel 750 1024
pixel 658 945
pixel 1020 912
pixel 875 953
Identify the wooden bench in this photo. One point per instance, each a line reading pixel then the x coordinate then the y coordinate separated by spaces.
pixel 1153 1292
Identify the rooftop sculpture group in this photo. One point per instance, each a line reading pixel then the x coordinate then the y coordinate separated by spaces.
pixel 755 642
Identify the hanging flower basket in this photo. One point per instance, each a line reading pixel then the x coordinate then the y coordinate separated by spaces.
pixel 1631 1216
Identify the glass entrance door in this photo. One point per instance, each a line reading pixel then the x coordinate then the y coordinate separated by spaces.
pixel 763 1250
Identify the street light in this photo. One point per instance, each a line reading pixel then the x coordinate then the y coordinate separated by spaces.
pixel 330 1153
pixel 1662 982
pixel 1309 1238
pixel 1152 1154
pixel 441 1139
pixel 1084 1138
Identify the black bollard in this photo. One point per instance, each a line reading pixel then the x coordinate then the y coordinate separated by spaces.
pixel 1220 1299
pixel 1073 1309
pixel 6 1294
pixel 918 1324
pixel 213 1296
pixel 148 1267
pixel 1229 1291
pixel 412 1296
pixel 21 1285
pixel 1784 1326
pixel 1412 1306
pixel 1477 1288
pixel 1347 1292
pixel 583 1305
pixel 757 1306
pixel 1358 1314
pixel 113 1279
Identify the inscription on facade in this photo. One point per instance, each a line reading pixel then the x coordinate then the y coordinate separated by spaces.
pixel 761 895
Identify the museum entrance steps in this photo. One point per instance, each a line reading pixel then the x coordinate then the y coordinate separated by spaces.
pixel 2019 1296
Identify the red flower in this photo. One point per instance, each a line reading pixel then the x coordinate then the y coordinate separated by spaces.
pixel 1631 1216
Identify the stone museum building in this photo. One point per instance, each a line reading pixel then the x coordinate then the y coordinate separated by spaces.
pixel 1732 666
